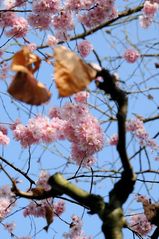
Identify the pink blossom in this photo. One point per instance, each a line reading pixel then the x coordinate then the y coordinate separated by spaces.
pixel 131 55
pixel 145 21
pixel 40 208
pixel 53 131
pixel 74 5
pixel 81 96
pixel 39 129
pixel 19 3
pixel 141 134
pixel 82 129
pixel 140 224
pixel 7 19
pixel 14 125
pixel 40 21
pixel 154 1
pixel 62 35
pixel 55 112
pixel 113 140
pixel 76 230
pixel 52 40
pixel 4 140
pixel 43 179
pixel 59 207
pixel 5 207
pixel 84 48
pixel 46 6
pixel 152 144
pixel 36 209
pixel 98 14
pixel 3 129
pixel 4 70
pixel 9 4
pixel 63 21
pixel 134 124
pixel 87 4
pixel 10 227
pixel 32 46
pixel 22 133
pixel 89 136
pixel 19 27
pixel 5 191
pixel 114 13
pixel 149 8
pixel 82 158
pixel 73 122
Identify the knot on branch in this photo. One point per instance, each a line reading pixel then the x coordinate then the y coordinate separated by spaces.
pixel 97 205
pixel 113 223
pixel 122 188
pixel 109 86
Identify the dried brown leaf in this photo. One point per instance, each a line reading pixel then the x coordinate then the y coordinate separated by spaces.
pixel 24 86
pixel 72 74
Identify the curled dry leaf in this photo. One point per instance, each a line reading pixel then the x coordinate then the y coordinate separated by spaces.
pixel 71 73
pixel 24 86
pixel 49 214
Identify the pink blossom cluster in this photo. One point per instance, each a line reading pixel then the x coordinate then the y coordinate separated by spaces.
pixel 43 179
pixel 72 5
pixel 4 207
pixel 84 48
pixel 131 55
pixel 40 208
pixel 76 230
pixel 59 207
pixel 6 201
pixel 39 21
pixel 46 6
pixel 140 224
pixel 63 21
pixel 73 122
pixel 39 129
pixel 136 126
pixel 149 10
pixel 52 40
pixel 113 140
pixel 82 130
pixel 16 26
pixel 56 14
pixel 19 27
pixel 81 97
pixel 4 139
pixel 97 12
pixel 9 4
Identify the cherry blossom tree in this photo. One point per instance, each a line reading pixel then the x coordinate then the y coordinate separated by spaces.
pixel 79 123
